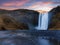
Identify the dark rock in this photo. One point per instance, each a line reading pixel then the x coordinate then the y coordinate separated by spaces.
pixel 54 18
pixel 29 15
pixel 18 19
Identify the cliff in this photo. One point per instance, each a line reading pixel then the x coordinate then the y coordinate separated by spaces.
pixel 23 19
pixel 55 18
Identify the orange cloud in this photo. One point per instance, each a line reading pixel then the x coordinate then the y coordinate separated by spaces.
pixel 47 2
pixel 15 3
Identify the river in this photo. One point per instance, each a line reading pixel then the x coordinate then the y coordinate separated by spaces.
pixel 21 38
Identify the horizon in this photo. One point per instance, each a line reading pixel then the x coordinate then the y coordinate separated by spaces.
pixel 40 11
pixel 44 5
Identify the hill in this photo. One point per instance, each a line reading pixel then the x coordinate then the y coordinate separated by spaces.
pixel 55 18
pixel 18 19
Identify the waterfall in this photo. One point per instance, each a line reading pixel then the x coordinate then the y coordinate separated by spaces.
pixel 39 20
pixel 42 22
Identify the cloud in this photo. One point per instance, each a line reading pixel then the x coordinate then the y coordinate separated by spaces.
pixel 8 8
pixel 15 3
pixel 47 6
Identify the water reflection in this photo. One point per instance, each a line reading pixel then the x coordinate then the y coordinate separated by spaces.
pixel 26 39
pixel 44 41
pixel 51 41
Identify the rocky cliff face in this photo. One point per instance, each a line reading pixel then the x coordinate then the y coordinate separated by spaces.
pixel 29 15
pixel 18 19
pixel 55 18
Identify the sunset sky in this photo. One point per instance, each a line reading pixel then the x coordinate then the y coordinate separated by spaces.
pixel 45 5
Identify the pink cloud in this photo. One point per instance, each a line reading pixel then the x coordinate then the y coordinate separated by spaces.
pixel 15 3
pixel 41 6
pixel 35 6
pixel 7 8
pixel 44 4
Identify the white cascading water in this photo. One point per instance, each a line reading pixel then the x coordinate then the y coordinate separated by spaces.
pixel 42 21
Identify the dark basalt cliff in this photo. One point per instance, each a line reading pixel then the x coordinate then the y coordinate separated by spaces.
pixel 18 19
pixel 55 18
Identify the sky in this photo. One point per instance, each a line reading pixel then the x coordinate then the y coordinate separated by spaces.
pixel 45 5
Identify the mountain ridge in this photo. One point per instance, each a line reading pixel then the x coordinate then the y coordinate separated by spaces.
pixel 19 19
